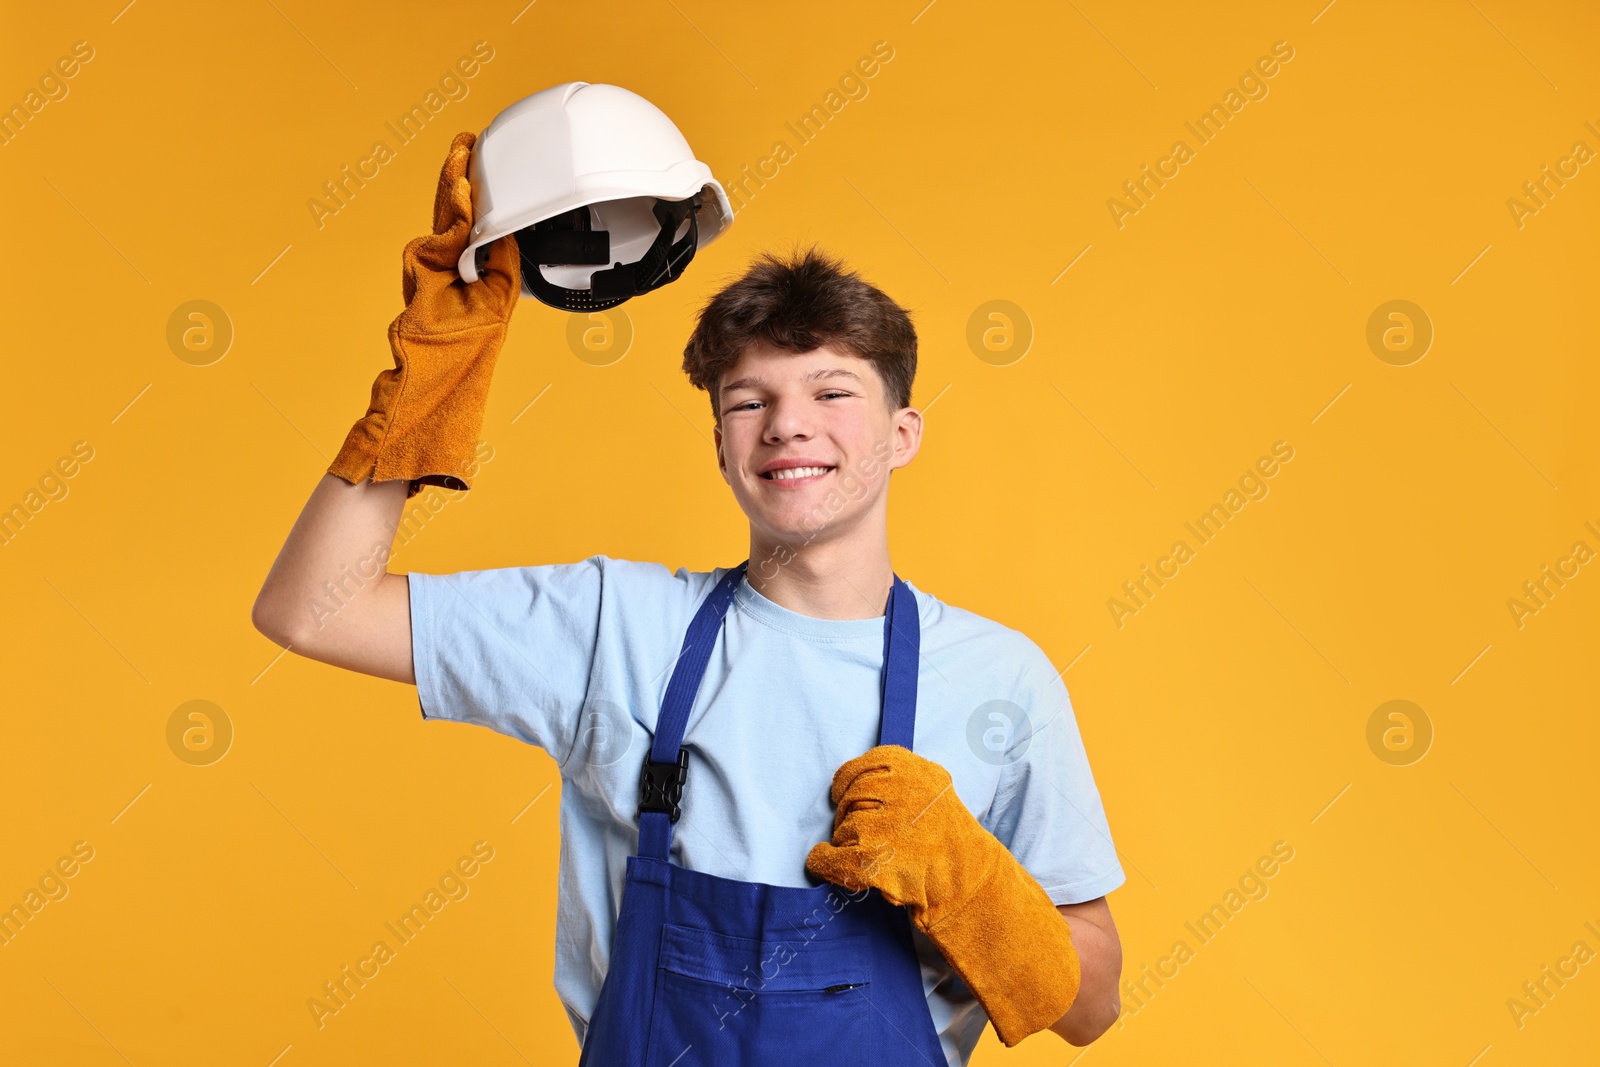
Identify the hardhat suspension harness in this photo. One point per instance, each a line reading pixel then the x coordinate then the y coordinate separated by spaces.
pixel 567 240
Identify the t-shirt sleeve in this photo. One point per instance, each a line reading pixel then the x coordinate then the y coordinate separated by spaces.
pixel 511 648
pixel 1047 809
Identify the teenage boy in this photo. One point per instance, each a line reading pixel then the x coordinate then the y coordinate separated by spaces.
pixel 971 867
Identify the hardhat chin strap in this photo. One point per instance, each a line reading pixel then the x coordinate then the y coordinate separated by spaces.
pixel 567 240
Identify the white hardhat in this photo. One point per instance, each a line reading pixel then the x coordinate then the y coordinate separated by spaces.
pixel 596 183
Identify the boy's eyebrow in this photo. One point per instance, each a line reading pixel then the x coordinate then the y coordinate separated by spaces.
pixel 755 381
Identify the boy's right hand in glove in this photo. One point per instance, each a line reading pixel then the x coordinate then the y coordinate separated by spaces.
pixel 426 412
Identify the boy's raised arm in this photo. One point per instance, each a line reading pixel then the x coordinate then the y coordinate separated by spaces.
pixel 329 595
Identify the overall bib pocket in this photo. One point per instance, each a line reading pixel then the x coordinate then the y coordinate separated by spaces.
pixel 722 999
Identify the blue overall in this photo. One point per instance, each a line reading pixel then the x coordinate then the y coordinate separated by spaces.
pixel 714 971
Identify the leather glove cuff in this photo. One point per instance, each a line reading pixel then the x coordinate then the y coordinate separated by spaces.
pixel 1013 949
pixel 426 412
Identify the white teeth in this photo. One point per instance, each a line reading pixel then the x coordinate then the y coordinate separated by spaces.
pixel 798 472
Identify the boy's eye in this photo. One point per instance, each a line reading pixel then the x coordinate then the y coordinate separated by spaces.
pixel 749 404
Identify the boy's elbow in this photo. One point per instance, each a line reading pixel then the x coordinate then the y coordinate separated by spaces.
pixel 1089 1020
pixel 1107 1019
pixel 265 624
pixel 270 621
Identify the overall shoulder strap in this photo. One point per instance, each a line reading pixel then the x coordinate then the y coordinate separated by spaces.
pixel 662 777
pixel 902 652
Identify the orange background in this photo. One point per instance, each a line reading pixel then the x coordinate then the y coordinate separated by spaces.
pixel 1228 313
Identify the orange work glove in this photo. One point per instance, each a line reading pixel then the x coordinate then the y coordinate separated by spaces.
pixel 899 826
pixel 426 412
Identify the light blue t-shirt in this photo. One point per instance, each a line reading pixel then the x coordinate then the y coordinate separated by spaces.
pixel 575 658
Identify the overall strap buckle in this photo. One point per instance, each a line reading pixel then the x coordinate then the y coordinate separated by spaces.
pixel 661 785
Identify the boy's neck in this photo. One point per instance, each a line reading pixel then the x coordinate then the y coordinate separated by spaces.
pixel 830 580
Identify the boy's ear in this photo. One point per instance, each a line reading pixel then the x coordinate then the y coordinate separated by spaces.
pixel 908 425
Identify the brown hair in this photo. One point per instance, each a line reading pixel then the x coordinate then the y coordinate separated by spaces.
pixel 801 303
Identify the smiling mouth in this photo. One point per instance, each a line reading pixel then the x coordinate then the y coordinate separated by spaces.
pixel 795 474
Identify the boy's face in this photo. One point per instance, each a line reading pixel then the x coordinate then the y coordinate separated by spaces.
pixel 825 407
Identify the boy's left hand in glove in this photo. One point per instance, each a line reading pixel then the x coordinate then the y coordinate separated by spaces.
pixel 900 827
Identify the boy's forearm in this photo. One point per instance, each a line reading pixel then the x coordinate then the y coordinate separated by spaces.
pixel 342 538
pixel 1097 1004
